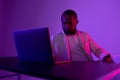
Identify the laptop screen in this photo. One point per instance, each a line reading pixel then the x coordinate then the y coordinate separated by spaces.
pixel 34 45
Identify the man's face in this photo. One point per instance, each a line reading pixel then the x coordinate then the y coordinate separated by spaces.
pixel 69 23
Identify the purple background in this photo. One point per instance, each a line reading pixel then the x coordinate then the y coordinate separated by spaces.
pixel 100 18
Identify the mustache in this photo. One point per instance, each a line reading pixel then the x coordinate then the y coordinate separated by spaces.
pixel 69 32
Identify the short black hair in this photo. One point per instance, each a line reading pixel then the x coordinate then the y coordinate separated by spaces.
pixel 69 12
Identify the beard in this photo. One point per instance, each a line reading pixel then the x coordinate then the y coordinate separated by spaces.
pixel 69 31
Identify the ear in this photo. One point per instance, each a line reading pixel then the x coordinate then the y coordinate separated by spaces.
pixel 77 22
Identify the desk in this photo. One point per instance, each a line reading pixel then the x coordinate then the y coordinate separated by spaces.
pixel 68 71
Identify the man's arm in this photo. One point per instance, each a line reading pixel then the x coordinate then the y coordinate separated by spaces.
pixel 99 51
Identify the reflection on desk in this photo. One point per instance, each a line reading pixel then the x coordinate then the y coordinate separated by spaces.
pixel 67 71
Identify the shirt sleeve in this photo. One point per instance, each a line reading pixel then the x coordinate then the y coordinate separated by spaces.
pixel 96 49
pixel 102 55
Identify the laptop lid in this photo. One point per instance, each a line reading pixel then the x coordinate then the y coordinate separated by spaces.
pixel 34 45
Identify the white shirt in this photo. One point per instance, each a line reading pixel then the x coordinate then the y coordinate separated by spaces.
pixel 70 47
pixel 76 50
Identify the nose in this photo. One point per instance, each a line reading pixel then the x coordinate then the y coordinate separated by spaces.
pixel 67 26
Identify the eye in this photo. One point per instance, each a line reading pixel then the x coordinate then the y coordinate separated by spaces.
pixel 64 23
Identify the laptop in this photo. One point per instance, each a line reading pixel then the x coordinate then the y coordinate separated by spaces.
pixel 34 45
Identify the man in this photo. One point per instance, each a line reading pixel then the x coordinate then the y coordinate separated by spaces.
pixel 76 45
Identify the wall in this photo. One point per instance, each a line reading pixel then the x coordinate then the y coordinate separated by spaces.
pixel 0 27
pixel 100 18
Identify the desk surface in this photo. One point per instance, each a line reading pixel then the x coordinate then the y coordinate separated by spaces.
pixel 67 71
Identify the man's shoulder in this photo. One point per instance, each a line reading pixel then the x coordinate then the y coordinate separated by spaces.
pixel 58 35
pixel 82 32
